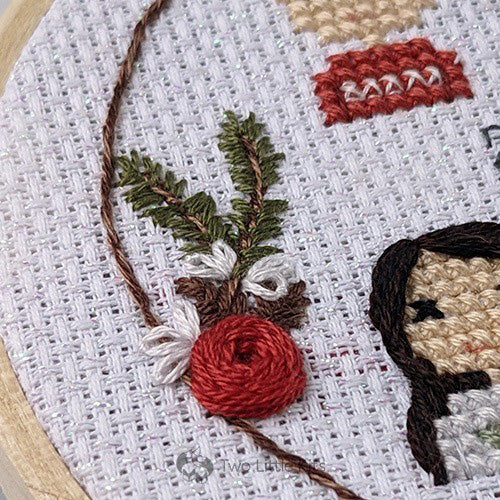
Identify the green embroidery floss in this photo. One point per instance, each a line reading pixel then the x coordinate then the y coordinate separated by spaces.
pixel 160 195
pixel 254 167
pixel 491 435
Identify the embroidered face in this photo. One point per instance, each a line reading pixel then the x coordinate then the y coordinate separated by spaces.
pixel 453 313
pixel 436 302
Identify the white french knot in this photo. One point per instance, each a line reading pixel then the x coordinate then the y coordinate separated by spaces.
pixel 218 266
pixel 173 345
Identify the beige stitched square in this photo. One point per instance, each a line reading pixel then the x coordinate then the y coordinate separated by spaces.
pixel 367 20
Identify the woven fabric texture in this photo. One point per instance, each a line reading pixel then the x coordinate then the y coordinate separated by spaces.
pixel 67 320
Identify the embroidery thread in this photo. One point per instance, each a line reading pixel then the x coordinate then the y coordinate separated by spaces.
pixel 468 437
pixel 367 20
pixel 246 365
pixel 296 303
pixel 361 84
pixel 491 434
pixel 458 268
pixel 241 363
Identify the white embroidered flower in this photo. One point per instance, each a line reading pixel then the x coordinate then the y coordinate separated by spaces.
pixel 276 269
pixel 219 265
pixel 173 345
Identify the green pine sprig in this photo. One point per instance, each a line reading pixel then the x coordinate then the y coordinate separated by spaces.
pixel 254 169
pixel 158 194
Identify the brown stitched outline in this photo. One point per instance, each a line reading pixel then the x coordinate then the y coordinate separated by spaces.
pixel 138 293
pixel 387 304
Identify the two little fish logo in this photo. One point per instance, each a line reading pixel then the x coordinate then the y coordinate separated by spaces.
pixel 194 466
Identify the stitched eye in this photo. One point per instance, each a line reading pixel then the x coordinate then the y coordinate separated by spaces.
pixel 426 309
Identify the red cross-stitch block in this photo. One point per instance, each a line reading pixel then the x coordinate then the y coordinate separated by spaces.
pixel 360 84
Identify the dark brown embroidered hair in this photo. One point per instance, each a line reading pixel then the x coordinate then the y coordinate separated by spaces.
pixel 430 389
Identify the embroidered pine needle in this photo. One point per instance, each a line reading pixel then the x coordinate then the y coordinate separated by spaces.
pixel 254 169
pixel 158 194
pixel 263 177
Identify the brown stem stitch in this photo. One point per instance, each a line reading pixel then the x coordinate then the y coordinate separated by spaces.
pixel 430 390
pixel 257 196
pixel 295 462
pixel 287 312
pixel 202 293
pixel 213 303
pixel 171 199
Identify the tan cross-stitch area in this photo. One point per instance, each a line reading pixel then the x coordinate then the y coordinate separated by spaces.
pixel 367 20
pixel 466 291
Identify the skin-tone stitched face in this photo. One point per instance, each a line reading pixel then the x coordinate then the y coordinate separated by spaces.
pixel 453 313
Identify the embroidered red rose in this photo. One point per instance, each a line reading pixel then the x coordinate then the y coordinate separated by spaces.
pixel 246 367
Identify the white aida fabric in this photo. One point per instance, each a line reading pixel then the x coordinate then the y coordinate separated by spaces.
pixel 67 321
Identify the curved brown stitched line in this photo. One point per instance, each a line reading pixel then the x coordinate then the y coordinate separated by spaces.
pixel 138 293
pixel 387 303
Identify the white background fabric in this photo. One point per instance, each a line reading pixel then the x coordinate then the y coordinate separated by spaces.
pixel 67 320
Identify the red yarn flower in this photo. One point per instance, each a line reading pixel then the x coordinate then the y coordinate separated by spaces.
pixel 246 367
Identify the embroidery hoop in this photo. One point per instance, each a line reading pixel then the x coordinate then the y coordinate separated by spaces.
pixel 29 462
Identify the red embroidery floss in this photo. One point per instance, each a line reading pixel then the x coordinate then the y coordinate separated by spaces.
pixel 246 367
pixel 381 80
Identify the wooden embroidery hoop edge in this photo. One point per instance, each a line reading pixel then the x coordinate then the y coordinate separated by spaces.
pixel 30 465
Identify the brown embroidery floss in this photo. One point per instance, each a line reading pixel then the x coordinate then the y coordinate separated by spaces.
pixel 289 316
